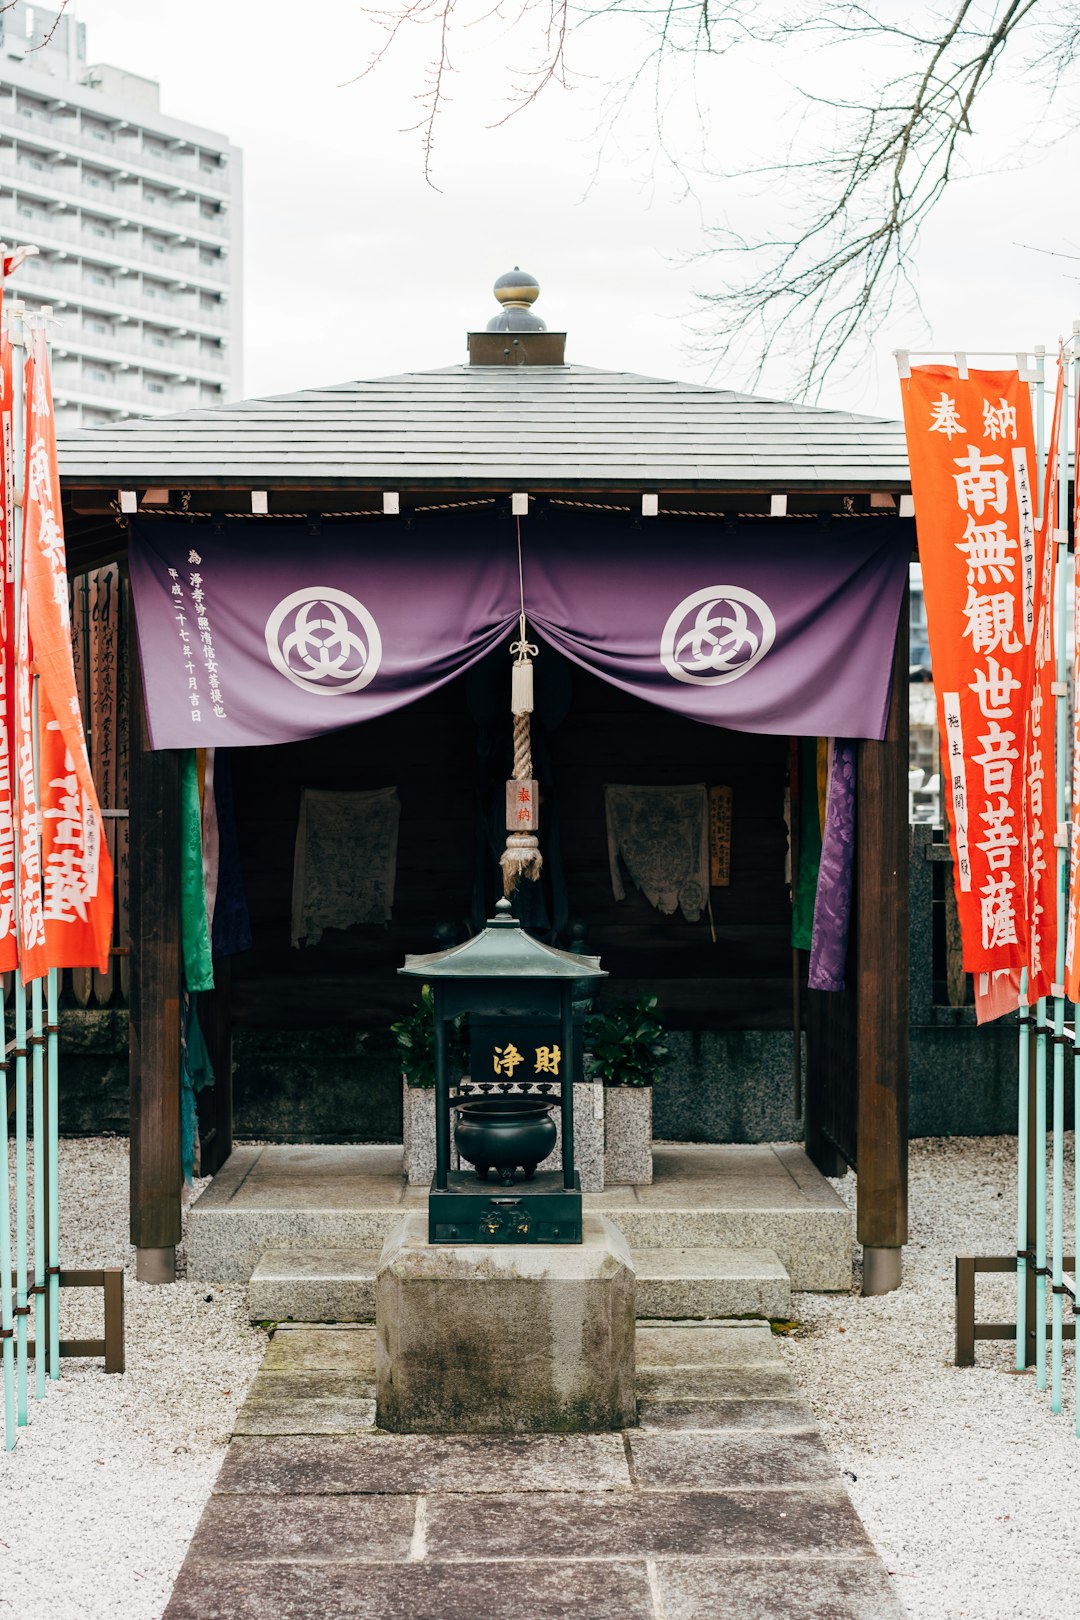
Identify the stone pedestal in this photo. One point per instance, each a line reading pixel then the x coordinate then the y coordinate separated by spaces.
pixel 418 1135
pixel 588 1136
pixel 628 1136
pixel 505 1337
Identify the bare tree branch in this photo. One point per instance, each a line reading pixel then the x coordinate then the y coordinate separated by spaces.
pixel 10 5
pixel 862 197
pixel 41 44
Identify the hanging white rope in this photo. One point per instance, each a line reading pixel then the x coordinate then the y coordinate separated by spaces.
pixel 521 857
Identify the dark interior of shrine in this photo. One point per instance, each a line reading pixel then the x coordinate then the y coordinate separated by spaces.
pixel 448 756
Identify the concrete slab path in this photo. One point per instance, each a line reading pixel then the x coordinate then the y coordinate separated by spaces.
pixel 724 1504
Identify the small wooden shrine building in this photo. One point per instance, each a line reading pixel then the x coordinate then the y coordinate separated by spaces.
pixel 609 469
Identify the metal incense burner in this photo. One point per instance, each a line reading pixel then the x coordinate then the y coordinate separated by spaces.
pixel 525 1054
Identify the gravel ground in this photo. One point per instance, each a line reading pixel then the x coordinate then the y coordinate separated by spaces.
pixel 102 1494
pixel 967 1482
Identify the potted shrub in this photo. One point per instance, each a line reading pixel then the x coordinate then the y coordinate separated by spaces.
pixel 415 1037
pixel 627 1053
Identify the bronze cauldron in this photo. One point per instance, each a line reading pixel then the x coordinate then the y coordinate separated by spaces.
pixel 500 1133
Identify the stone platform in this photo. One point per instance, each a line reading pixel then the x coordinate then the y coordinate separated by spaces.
pixel 723 1504
pixel 709 1198
pixel 338 1285
pixel 504 1338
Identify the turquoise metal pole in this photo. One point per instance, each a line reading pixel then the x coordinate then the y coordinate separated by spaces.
pixel 40 1153
pixel 1024 1077
pixel 7 1318
pixel 21 1307
pixel 1076 1206
pixel 1040 427
pixel 1040 1192
pixel 1023 1056
pixel 1063 757
pixel 37 1071
pixel 1075 764
pixel 18 341
pixel 53 1082
pixel 1040 1008
pixel 7 1315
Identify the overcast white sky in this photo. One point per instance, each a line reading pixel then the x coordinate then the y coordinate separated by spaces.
pixel 354 267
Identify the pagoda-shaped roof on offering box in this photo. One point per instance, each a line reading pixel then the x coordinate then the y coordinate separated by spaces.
pixel 503 950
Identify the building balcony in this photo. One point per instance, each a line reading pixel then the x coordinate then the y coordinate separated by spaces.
pixel 55 182
pixel 180 360
pixel 63 286
pixel 60 133
pixel 125 392
pixel 174 264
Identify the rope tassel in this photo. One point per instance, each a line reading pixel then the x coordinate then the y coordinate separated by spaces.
pixel 521 858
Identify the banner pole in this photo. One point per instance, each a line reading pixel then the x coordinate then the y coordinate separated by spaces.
pixel 1022 1235
pixel 1061 752
pixel 53 1082
pixel 1074 767
pixel 46 1053
pixel 1037 1147
pixel 18 437
pixel 1040 430
pixel 37 1083
pixel 7 1317
pixel 1025 1134
pixel 37 1072
pixel 7 1320
pixel 41 1335
pixel 1040 1192
pixel 36 1051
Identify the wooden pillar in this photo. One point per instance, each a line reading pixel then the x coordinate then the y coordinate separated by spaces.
pixel 154 1045
pixel 882 986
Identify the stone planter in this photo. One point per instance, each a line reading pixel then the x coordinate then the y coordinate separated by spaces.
pixel 627 1135
pixel 588 1136
pixel 418 1135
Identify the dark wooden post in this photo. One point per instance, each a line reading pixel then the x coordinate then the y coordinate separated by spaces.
pixel 154 1044
pixel 882 987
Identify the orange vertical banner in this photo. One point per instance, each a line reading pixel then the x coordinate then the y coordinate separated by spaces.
pixel 8 935
pixel 971 448
pixel 1040 784
pixel 69 921
pixel 1072 954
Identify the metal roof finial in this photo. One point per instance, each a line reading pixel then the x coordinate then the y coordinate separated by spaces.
pixel 517 291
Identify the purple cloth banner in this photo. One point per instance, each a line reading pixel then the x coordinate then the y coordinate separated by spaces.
pixel 252 633
pixel 787 630
pixel 832 905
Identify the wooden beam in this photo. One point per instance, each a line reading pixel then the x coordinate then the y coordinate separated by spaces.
pixel 154 1061
pixel 882 971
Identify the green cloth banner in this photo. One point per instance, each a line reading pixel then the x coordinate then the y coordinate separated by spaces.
pixel 195 933
pixel 809 821
pixel 196 1073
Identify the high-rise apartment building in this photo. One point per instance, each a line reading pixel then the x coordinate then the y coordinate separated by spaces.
pixel 138 220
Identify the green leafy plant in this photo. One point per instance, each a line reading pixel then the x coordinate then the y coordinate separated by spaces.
pixel 626 1043
pixel 415 1037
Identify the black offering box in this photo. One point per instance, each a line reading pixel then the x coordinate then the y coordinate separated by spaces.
pixel 525 1055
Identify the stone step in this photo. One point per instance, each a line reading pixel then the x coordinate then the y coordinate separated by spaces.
pixel 706 1197
pixel 338 1285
